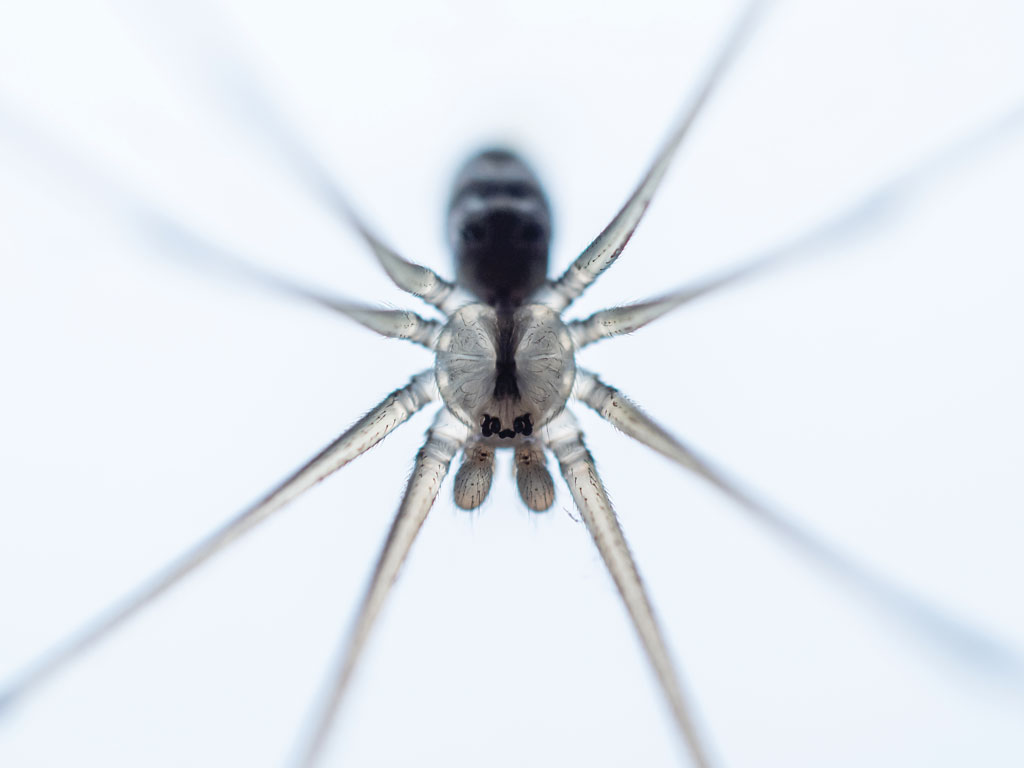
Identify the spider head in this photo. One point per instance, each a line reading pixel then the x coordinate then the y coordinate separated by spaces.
pixel 505 374
pixel 499 228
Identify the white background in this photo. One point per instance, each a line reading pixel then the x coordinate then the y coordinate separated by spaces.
pixel 875 393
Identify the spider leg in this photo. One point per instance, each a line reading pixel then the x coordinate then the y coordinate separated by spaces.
pixel 183 244
pixel 565 439
pixel 392 323
pixel 607 246
pixel 233 81
pixel 963 642
pixel 870 211
pixel 395 409
pixel 444 439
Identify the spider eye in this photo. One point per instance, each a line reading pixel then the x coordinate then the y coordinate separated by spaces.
pixel 531 232
pixel 474 232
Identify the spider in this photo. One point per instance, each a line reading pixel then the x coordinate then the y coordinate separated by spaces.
pixel 512 323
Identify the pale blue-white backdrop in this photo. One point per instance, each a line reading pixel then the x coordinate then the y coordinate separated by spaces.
pixel 875 393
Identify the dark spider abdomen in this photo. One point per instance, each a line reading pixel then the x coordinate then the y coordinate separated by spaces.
pixel 499 227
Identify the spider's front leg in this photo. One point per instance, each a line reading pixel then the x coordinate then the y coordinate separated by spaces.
pixel 565 439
